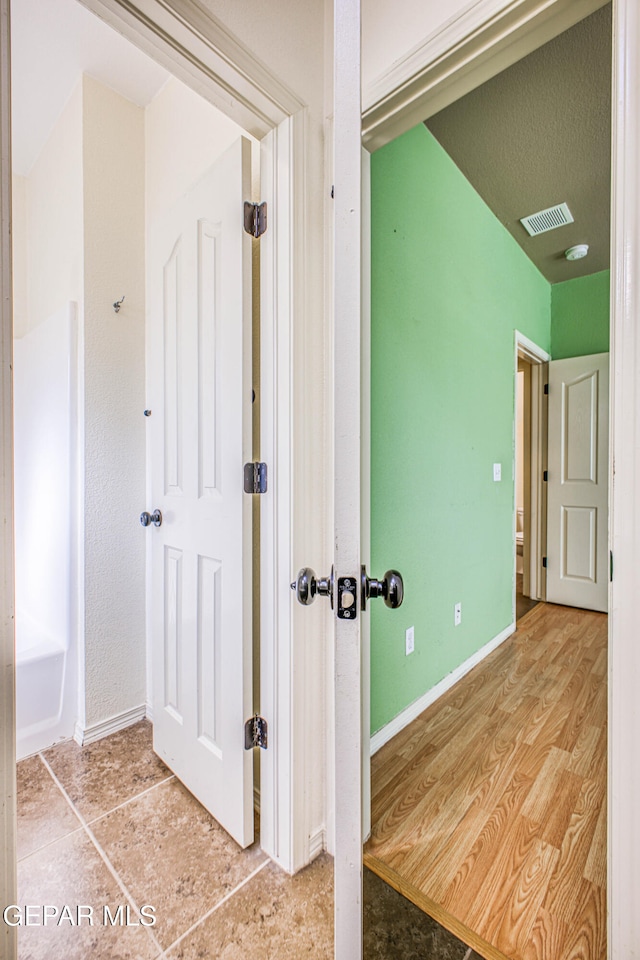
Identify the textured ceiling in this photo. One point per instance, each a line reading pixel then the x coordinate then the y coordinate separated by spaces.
pixel 539 134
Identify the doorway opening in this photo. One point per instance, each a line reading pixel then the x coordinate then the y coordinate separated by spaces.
pixel 524 601
pixel 96 169
pixel 440 314
pixel 530 472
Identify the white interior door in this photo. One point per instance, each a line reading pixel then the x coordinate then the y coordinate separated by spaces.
pixel 577 505
pixel 199 278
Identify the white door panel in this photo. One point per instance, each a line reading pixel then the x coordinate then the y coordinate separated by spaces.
pixel 577 511
pixel 200 400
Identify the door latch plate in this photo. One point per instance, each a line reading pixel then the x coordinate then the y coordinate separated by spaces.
pixel 347 598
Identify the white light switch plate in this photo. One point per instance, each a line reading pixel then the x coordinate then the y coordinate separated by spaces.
pixel 497 471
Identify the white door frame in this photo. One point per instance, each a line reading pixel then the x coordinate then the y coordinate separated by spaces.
pixel 484 39
pixel 536 443
pixel 200 51
pixel 8 880
pixel 347 274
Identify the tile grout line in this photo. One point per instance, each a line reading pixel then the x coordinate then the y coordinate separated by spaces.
pixel 101 853
pixel 88 822
pixel 50 843
pixel 216 907
pixel 131 799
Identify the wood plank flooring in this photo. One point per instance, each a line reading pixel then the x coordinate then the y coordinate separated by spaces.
pixel 489 810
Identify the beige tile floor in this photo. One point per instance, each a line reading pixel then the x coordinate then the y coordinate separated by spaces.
pixel 109 825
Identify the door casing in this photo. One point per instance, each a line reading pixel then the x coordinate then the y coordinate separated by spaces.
pixel 535 462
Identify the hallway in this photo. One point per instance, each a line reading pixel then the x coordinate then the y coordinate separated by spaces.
pixel 489 810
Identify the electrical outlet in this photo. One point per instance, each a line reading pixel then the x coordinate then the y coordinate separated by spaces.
pixel 457 615
pixel 409 641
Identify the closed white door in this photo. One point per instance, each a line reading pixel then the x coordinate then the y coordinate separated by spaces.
pixel 577 506
pixel 200 400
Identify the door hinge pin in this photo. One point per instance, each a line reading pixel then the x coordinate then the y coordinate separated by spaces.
pixel 544 561
pixel 545 475
pixel 255 218
pixel 255 477
pixel 255 733
pixel 546 389
pixel 611 566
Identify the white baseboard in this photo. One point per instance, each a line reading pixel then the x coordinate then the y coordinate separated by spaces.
pixel 97 731
pixel 317 843
pixel 416 708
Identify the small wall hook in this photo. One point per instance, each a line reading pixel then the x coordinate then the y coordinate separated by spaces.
pixel 118 304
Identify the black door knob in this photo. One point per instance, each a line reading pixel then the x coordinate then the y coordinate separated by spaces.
pixel 390 588
pixel 307 586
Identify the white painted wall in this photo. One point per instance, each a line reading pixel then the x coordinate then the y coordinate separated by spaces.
pixel 19 249
pixel 54 219
pixel 184 135
pixel 114 376
pixel 391 30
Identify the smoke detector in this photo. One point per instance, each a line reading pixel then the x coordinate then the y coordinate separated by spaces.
pixel 578 252
pixel 545 220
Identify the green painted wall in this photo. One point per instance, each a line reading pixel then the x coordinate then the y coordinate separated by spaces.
pixel 449 285
pixel 580 316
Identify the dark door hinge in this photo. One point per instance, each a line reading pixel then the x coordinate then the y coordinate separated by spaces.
pixel 611 566
pixel 546 389
pixel 255 477
pixel 255 733
pixel 545 475
pixel 255 218
pixel 544 561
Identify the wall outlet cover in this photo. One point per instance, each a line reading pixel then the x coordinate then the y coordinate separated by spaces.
pixel 457 614
pixel 409 641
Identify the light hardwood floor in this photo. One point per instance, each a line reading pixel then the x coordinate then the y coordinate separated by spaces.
pixel 489 810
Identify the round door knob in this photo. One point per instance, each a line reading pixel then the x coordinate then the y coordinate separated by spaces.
pixel 390 588
pixel 155 518
pixel 307 586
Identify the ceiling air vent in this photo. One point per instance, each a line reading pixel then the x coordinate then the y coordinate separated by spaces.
pixel 549 219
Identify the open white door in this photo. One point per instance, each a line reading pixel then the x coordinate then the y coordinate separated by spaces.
pixel 199 278
pixel 578 489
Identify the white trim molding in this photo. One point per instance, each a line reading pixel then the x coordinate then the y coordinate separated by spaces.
pixel 624 512
pixel 482 40
pixel 8 879
pixel 317 843
pixel 196 47
pixel 414 709
pixel 529 350
pixel 96 731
